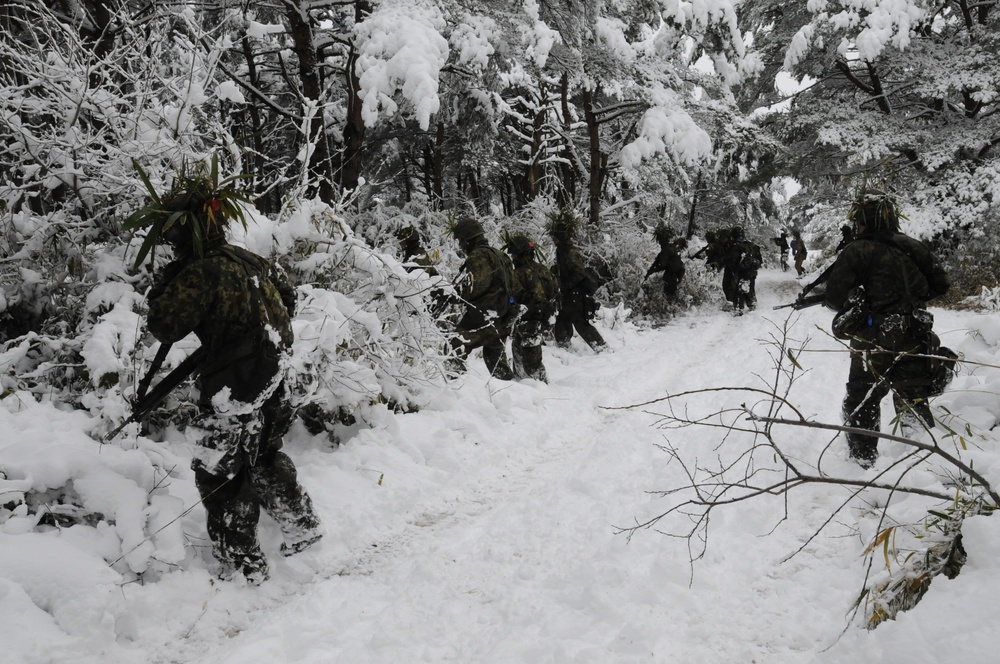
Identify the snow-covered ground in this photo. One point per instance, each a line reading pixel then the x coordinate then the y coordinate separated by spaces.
pixel 486 527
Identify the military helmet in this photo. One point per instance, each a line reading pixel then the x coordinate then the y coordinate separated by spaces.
pixel 194 213
pixel 738 233
pixel 467 228
pixel 663 233
pixel 874 209
pixel 519 245
pixel 562 225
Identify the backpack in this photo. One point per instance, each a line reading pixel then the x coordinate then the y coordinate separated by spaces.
pixel 751 258
pixel 247 366
pixel 502 296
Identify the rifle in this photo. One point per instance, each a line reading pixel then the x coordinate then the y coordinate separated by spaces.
pixel 144 403
pixel 803 301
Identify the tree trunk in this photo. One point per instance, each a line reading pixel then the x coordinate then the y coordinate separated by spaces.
pixel 319 166
pixel 598 161
pixel 354 128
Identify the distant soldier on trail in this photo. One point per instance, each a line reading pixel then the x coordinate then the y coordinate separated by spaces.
pixel 799 252
pixel 536 293
pixel 739 279
pixel 846 237
pixel 668 261
pixel 486 285
pixel 782 242
pixel 577 286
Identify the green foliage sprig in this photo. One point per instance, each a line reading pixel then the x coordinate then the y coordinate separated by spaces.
pixel 197 206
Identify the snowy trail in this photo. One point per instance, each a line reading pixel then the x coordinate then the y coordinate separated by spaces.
pixel 486 528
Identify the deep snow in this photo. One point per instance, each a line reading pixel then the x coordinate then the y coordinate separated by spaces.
pixel 485 528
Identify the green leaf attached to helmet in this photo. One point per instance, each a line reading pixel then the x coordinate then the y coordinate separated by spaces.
pixel 197 209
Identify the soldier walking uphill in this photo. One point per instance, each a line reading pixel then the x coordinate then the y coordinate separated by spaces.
pixel 576 287
pixel 782 242
pixel 880 284
pixel 239 306
pixel 742 259
pixel 799 252
pixel 536 291
pixel 668 261
pixel 486 285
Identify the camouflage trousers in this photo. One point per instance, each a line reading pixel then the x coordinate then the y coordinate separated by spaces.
pixel 575 314
pixel 473 332
pixel 873 375
pixel 526 350
pixel 239 469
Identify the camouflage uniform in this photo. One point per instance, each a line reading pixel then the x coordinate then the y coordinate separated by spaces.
pixel 535 291
pixel 239 307
pixel 782 242
pixel 669 262
pixel 800 253
pixel 739 276
pixel 486 285
pixel 576 298
pixel 898 275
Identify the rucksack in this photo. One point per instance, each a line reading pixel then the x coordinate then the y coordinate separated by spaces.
pixel 502 297
pixel 249 364
pixel 751 258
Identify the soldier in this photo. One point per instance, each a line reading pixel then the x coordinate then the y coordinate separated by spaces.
pixel 739 278
pixel 782 242
pixel 668 261
pixel 846 237
pixel 577 286
pixel 536 291
pixel 799 252
pixel 414 255
pixel 486 285
pixel 239 306
pixel 879 286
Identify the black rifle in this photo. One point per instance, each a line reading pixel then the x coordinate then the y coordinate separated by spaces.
pixel 803 301
pixel 144 403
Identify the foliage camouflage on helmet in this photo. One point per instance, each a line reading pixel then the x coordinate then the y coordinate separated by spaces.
pixel 197 207
pixel 875 208
pixel 663 233
pixel 520 245
pixel 562 225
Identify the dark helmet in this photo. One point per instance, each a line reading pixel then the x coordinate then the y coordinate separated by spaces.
pixel 562 225
pixel 738 233
pixel 874 209
pixel 194 214
pixel 520 246
pixel 663 234
pixel 467 229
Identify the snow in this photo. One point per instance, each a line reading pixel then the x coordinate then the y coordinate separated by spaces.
pixel 485 527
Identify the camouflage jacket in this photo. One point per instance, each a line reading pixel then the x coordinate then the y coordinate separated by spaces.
pixel 899 274
pixel 486 279
pixel 221 298
pixel 536 291
pixel 668 261
pixel 574 276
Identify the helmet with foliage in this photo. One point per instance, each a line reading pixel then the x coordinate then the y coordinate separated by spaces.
pixel 874 209
pixel 562 225
pixel 663 233
pixel 467 228
pixel 193 214
pixel 520 246
pixel 738 233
